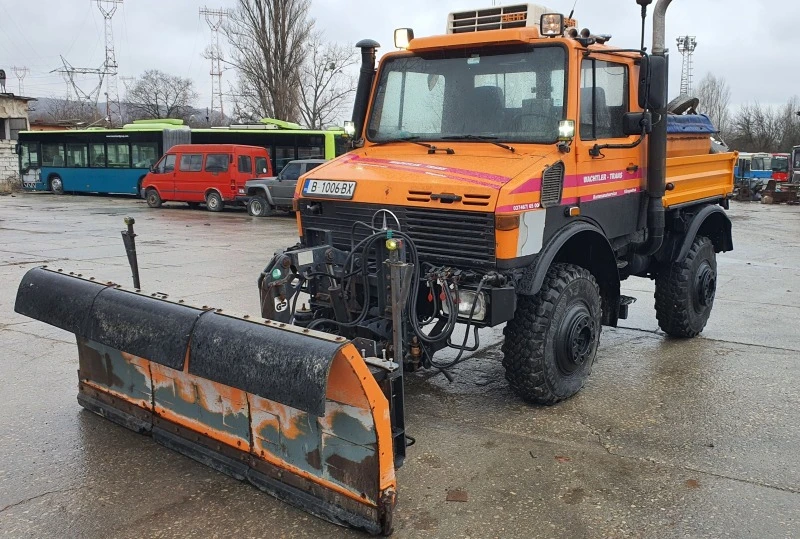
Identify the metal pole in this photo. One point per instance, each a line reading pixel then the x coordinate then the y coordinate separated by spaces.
pixel 129 239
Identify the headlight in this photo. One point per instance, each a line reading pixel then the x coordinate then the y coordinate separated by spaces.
pixel 551 24
pixel 466 298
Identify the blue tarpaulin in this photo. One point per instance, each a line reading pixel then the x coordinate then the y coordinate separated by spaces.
pixel 690 124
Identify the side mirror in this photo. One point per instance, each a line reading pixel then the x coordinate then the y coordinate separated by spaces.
pixel 633 123
pixel 18 149
pixel 653 82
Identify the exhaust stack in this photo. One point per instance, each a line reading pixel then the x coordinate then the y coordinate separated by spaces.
pixel 366 76
pixel 657 149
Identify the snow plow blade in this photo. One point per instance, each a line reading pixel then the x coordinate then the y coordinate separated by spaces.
pixel 295 412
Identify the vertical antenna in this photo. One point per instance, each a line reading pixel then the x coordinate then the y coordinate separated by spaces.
pixel 110 66
pixel 214 18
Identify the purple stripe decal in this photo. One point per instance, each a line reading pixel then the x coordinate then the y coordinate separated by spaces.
pixel 530 186
pixel 447 171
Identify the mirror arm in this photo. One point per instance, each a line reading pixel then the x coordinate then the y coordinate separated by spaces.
pixel 594 151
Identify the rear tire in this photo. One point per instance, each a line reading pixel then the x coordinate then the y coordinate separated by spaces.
pixel 685 291
pixel 56 185
pixel 214 202
pixel 153 198
pixel 551 343
pixel 259 207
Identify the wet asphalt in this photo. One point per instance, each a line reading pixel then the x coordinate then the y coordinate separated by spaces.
pixel 669 438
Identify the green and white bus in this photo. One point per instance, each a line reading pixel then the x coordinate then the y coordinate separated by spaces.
pixel 285 141
pixel 98 160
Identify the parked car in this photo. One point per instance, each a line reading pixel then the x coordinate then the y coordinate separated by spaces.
pixel 266 195
pixel 212 173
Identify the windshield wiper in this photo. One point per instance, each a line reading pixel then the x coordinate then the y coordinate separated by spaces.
pixel 490 140
pixel 413 139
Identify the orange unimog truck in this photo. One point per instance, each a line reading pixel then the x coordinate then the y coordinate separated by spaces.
pixel 534 167
pixel 513 171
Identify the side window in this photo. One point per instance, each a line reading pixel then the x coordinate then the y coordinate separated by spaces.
pixel 261 165
pixel 291 172
pixel 97 155
pixel 76 155
pixel 310 166
pixel 245 164
pixel 144 155
pixel 168 164
pixel 52 155
pixel 604 99
pixel 118 155
pixel 15 125
pixel 217 162
pixel 283 154
pixel 191 162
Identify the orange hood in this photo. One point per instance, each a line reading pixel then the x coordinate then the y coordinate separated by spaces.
pixel 481 174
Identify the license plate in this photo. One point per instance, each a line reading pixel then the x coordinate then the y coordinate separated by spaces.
pixel 329 188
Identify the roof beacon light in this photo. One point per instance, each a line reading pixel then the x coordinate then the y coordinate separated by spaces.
pixel 552 24
pixel 402 37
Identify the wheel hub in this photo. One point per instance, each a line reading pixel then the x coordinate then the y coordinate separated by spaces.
pixel 706 286
pixel 575 339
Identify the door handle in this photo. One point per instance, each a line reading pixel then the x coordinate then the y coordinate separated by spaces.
pixel 632 168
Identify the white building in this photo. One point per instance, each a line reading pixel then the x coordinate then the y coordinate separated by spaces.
pixel 13 119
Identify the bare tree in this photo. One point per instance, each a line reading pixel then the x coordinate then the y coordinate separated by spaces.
pixel 268 39
pixel 327 82
pixel 715 96
pixel 65 110
pixel 159 95
pixel 756 128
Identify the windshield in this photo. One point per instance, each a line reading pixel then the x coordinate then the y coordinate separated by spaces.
pixel 760 163
pixel 513 95
pixel 780 164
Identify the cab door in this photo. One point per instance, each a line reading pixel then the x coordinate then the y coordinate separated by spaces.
pixel 162 178
pixel 283 188
pixel 609 182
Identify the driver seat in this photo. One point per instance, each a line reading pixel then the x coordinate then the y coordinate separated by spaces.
pixel 484 111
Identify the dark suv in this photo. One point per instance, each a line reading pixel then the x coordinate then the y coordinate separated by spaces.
pixel 265 195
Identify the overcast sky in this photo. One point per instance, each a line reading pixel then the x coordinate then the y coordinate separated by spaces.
pixel 744 41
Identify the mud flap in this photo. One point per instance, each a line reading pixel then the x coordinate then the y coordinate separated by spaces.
pixel 295 412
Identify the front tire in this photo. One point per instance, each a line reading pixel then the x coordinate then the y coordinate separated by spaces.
pixel 685 291
pixel 56 185
pixel 153 198
pixel 259 207
pixel 551 343
pixel 214 202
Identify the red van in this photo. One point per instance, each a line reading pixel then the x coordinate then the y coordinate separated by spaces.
pixel 210 173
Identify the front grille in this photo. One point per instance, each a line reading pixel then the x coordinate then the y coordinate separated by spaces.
pixel 552 182
pixel 445 237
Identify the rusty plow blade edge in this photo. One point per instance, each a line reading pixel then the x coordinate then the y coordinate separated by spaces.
pixel 297 413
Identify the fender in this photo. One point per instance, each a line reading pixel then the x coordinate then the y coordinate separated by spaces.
pixel 533 276
pixel 263 191
pixel 711 221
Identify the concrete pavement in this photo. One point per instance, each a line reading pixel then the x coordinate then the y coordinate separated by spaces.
pixel 669 438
